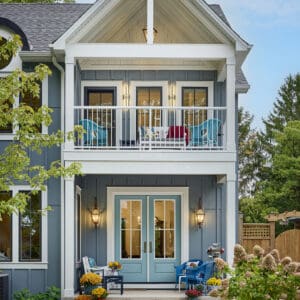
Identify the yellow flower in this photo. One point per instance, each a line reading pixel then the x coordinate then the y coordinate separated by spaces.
pixel 115 265
pixel 214 281
pixel 99 292
pixel 90 279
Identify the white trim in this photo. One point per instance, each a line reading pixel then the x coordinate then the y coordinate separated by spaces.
pixel 78 242
pixel 16 263
pixel 187 51
pixel 150 21
pixel 114 191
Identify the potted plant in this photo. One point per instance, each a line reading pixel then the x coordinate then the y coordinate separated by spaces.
pixel 99 293
pixel 90 281
pixel 114 266
pixel 213 283
pixel 193 293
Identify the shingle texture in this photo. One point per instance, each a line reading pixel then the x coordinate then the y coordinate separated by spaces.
pixel 43 23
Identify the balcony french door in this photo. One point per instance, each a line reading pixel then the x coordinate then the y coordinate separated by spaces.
pixel 148 235
pixel 106 117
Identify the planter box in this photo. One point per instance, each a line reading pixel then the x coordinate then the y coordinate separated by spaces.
pixel 4 286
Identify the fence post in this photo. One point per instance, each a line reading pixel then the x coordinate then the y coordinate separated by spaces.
pixel 240 228
pixel 272 235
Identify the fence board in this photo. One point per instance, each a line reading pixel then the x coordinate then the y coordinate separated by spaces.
pixel 288 244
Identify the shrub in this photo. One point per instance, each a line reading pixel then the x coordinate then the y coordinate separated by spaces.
pixel 52 293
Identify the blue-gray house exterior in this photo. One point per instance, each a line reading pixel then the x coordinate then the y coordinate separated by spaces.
pixel 203 176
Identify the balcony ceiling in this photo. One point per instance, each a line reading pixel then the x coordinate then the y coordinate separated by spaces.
pixel 174 22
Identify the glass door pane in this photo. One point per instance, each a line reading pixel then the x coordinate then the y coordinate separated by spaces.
pixel 194 97
pixel 149 96
pixel 131 218
pixel 164 212
pixel 103 117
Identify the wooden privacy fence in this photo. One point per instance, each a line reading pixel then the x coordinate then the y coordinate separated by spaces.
pixel 263 234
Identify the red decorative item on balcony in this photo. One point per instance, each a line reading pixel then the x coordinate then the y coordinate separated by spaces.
pixel 177 132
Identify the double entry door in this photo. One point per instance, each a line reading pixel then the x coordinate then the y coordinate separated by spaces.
pixel 147 237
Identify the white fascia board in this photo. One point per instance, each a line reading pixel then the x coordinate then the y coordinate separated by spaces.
pixel 85 23
pixel 241 45
pixel 35 56
pixel 242 88
pixel 195 51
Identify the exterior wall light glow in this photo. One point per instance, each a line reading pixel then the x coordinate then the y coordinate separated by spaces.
pixel 199 214
pixel 95 214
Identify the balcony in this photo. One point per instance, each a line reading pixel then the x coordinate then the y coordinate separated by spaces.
pixel 151 128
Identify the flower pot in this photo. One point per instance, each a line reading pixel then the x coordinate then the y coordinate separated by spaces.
pixel 88 289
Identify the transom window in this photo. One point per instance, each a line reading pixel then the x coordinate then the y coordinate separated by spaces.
pixel 5 62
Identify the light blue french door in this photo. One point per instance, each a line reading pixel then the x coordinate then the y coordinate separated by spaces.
pixel 148 235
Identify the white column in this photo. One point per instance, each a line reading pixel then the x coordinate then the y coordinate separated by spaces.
pixel 69 238
pixel 231 194
pixel 150 17
pixel 69 104
pixel 230 104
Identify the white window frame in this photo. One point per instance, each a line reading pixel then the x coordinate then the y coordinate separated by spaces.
pixel 15 263
pixel 196 84
pixel 10 136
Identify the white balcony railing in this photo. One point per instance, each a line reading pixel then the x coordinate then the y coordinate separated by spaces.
pixel 148 128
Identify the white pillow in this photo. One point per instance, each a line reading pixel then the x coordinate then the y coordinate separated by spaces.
pixel 188 264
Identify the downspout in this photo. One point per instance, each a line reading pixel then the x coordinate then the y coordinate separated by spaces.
pixel 62 182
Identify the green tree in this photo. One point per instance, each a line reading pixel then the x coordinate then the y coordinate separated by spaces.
pixel 250 154
pixel 16 164
pixel 282 188
pixel 286 108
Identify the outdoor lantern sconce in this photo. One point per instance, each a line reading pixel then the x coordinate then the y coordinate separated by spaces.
pixel 199 214
pixel 145 32
pixel 95 214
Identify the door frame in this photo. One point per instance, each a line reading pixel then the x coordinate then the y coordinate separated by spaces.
pixel 149 191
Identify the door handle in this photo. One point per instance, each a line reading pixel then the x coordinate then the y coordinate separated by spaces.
pixel 145 247
pixel 150 247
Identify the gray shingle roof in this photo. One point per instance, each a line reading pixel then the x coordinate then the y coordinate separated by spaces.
pixel 43 23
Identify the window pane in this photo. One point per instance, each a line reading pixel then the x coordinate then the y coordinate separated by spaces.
pixel 5 232
pixel 30 100
pixel 170 245
pixel 5 62
pixel 200 97
pixel 30 230
pixel 159 243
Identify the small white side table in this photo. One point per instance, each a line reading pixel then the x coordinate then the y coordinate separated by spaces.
pixel 179 280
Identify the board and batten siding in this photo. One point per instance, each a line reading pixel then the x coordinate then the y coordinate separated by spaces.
pixel 37 280
pixel 93 240
pixel 160 75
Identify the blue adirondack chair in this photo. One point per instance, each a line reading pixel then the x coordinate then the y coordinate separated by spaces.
pixel 181 269
pixel 200 276
pixel 205 133
pixel 95 135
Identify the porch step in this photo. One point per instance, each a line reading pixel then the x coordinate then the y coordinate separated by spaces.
pixel 150 295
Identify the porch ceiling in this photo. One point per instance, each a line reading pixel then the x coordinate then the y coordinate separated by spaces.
pixel 174 22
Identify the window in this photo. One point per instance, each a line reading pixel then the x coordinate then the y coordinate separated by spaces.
pixel 5 232
pixel 194 97
pixel 23 236
pixel 4 62
pixel 30 230
pixel 149 96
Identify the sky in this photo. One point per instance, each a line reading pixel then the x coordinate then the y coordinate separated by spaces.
pixel 273 28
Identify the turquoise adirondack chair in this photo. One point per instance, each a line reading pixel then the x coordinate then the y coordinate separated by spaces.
pixel 95 135
pixel 206 133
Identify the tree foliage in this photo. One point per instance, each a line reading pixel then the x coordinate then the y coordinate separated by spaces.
pixel 16 164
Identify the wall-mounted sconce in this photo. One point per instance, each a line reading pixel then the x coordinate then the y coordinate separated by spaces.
pixel 172 94
pixel 145 32
pixel 95 214
pixel 199 214
pixel 126 97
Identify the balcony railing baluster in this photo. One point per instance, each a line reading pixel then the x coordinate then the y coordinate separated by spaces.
pixel 151 128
